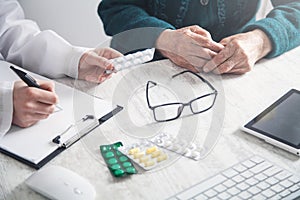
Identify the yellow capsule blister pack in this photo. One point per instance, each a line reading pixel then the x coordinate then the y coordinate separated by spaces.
pixel 145 154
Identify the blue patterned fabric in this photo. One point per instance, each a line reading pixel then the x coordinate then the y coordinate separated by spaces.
pixel 221 18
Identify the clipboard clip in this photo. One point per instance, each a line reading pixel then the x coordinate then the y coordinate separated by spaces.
pixel 76 131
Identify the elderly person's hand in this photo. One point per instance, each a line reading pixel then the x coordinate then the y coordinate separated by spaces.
pixel 93 63
pixel 32 104
pixel 190 47
pixel 240 54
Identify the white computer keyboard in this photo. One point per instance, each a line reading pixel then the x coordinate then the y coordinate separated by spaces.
pixel 255 178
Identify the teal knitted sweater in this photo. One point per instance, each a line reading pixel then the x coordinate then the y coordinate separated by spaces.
pixel 221 18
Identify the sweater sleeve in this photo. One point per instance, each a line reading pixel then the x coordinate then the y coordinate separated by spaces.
pixel 282 26
pixel 130 25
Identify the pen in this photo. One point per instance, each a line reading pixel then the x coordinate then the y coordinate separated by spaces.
pixel 31 82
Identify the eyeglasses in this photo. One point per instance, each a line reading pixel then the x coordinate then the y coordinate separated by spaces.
pixel 171 111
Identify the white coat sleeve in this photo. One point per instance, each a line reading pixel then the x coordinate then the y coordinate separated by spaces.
pixel 43 52
pixel 6 106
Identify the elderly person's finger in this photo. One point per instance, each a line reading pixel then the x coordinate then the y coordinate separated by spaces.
pixel 220 58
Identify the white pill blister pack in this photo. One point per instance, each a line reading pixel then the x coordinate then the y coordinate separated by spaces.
pixel 132 60
pixel 145 154
pixel 182 147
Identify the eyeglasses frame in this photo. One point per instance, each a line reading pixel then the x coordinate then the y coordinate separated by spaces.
pixel 215 93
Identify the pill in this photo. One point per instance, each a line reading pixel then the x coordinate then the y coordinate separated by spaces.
pixel 133 151
pixel 105 148
pixel 162 157
pixel 119 172
pixel 123 158
pixel 109 154
pixel 127 164
pixel 149 163
pixel 131 170
pixel 155 154
pixel 151 150
pixel 112 161
pixel 138 155
pixel 168 143
pixel 115 167
pixel 144 159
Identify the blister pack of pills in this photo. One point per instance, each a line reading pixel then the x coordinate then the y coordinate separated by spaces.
pixel 118 163
pixel 145 154
pixel 131 60
pixel 182 147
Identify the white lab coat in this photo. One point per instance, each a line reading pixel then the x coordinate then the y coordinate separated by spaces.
pixel 42 52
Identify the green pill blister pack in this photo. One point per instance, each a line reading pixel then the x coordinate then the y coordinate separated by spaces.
pixel 118 163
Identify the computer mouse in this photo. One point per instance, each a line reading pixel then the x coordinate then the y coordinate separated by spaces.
pixel 59 183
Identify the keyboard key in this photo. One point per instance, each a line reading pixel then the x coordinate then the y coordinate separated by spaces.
pixel 220 188
pixel 286 183
pixel 260 197
pixel 271 171
pixel 248 163
pixel 263 185
pixel 285 193
pixel 224 196
pixel 272 181
pixel 257 159
pixel 294 195
pixel 243 186
pixel 239 168
pixel 238 179
pixel 294 179
pixel 260 167
pixel 201 197
pixel 277 188
pixel 254 190
pixel 233 191
pixel 201 187
pixel 252 181
pixel 210 193
pixel 276 197
pixel 236 198
pixel 229 183
pixel 260 177
pixel 283 175
pixel 294 188
pixel 268 193
pixel 247 174
pixel 230 173
pixel 245 195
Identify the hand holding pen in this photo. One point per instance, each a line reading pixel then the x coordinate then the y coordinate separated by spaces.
pixel 32 102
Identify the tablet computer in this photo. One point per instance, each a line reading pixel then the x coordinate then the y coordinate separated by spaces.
pixel 279 124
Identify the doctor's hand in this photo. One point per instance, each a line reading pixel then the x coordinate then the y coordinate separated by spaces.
pixel 240 54
pixel 190 47
pixel 93 64
pixel 32 104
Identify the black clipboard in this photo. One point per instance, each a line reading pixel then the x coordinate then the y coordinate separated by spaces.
pixel 59 149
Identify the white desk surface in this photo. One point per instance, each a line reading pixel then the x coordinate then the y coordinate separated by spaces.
pixel 240 98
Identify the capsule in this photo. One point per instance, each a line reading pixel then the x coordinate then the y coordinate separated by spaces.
pixel 151 150
pixel 162 157
pixel 133 151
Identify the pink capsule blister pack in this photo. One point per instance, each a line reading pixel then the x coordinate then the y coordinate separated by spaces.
pixel 145 154
pixel 179 146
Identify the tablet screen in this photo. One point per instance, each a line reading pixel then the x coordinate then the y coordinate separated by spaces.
pixel 281 121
